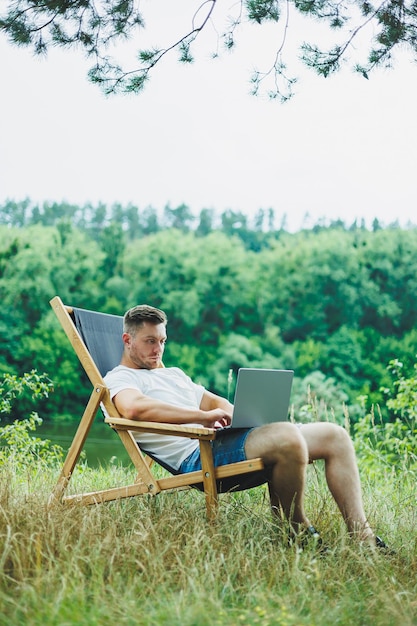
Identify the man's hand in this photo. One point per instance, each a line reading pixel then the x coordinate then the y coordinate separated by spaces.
pixel 217 411
pixel 216 418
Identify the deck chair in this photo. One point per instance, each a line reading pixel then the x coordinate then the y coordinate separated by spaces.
pixel 97 340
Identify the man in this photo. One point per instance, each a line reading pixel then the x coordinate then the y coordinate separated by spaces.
pixel 143 389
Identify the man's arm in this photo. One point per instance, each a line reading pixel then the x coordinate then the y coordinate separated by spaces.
pixel 212 401
pixel 213 410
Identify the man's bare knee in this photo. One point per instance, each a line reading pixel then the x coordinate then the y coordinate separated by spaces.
pixel 277 442
pixel 339 438
pixel 326 440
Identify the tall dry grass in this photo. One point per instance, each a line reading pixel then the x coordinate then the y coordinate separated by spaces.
pixel 151 561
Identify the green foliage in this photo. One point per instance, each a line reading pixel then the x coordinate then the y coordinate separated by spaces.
pixel 385 448
pixel 20 450
pixel 97 27
pixel 39 264
pixel 392 446
pixel 48 348
pixel 262 10
pixel 209 293
pixel 343 356
pixel 308 356
pixel 17 447
pixel 404 400
pixel 11 386
pixel 238 350
pixel 337 300
pixel 316 398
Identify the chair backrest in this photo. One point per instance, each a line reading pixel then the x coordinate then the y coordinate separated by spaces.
pixel 102 335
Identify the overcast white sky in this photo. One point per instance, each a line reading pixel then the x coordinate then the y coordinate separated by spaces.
pixel 342 147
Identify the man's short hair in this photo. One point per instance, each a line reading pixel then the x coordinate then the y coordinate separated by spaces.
pixel 138 315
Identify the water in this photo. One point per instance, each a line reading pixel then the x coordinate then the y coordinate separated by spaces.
pixel 102 443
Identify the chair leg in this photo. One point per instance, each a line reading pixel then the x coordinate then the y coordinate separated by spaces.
pixel 77 443
pixel 142 466
pixel 209 480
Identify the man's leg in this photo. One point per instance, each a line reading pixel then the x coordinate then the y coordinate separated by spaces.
pixel 332 443
pixel 282 447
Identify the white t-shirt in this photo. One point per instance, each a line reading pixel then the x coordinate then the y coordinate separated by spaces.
pixel 171 385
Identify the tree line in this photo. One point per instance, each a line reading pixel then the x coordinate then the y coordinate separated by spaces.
pixel 334 303
pixel 97 220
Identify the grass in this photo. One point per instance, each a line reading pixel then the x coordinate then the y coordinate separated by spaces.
pixel 151 561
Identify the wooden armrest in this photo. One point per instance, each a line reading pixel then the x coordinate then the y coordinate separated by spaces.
pixel 179 430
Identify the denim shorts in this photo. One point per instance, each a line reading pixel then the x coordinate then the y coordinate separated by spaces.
pixel 228 447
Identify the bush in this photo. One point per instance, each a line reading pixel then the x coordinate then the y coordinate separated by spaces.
pixel 17 446
pixel 391 446
pixel 383 448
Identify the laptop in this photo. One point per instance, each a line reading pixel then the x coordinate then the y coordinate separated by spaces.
pixel 262 396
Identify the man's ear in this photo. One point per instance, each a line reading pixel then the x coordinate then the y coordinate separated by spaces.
pixel 126 338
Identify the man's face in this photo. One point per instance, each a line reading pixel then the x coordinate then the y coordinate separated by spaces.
pixel 145 348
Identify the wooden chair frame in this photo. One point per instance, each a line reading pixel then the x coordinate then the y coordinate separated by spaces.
pixel 145 482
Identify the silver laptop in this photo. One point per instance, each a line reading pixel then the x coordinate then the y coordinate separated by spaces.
pixel 262 396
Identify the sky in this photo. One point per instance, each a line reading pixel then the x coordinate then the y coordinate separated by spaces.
pixel 343 147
